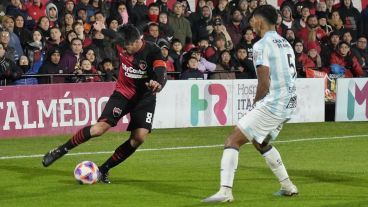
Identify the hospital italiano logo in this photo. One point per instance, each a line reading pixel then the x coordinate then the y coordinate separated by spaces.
pixel 200 105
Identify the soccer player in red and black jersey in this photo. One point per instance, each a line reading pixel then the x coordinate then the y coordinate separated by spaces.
pixel 142 75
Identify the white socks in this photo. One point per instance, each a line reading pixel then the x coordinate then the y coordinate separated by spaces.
pixel 229 164
pixel 273 160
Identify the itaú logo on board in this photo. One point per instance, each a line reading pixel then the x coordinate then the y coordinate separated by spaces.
pixel 201 105
pixel 357 95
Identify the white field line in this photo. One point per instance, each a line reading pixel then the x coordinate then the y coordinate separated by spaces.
pixel 189 147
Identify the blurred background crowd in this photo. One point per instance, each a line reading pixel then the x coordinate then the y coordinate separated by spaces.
pixel 213 40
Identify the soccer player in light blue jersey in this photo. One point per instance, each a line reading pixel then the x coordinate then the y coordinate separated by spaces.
pixel 275 101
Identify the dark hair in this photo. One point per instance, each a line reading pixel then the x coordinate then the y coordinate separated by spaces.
pixel 362 36
pixel 154 24
pixel 91 47
pixel 244 31
pixel 298 41
pixel 311 16
pixel 225 51
pixel 189 58
pixel 114 17
pixel 175 40
pixel 346 31
pixel 321 15
pixel 220 37
pixel 40 19
pixel 106 60
pixel 195 50
pixel 268 12
pixel 128 34
pixel 163 12
pixel 52 51
pixel 153 4
pixel 75 23
pixel 204 38
pixel 343 43
pixel 337 33
pixel 76 39
pixel 68 33
pixel 240 47
pixel 291 29
pixel 18 15
pixel 205 6
pixel 39 31
pixel 81 8
pixel 163 41
pixel 100 12
pixel 52 28
pixel 232 11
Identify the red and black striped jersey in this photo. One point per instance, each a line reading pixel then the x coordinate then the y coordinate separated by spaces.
pixel 137 69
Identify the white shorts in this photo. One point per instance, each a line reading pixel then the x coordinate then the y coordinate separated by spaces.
pixel 261 125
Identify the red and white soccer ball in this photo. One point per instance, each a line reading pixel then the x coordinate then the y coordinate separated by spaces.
pixel 86 172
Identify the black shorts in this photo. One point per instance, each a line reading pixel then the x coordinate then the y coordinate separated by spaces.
pixel 141 111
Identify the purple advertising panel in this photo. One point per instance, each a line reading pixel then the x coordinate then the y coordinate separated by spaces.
pixel 53 109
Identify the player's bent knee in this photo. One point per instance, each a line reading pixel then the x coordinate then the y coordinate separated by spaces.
pixel 140 138
pixel 137 141
pixel 99 128
pixel 262 148
pixel 139 134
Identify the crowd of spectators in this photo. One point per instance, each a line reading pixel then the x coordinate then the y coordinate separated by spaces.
pixel 211 41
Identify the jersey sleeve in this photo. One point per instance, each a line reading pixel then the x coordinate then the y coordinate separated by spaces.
pixel 260 54
pixel 158 65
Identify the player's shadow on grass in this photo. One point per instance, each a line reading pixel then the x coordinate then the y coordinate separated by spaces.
pixel 29 173
pixel 349 203
pixel 319 176
pixel 169 187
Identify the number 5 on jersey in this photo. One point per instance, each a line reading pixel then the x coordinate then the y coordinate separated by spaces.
pixel 292 69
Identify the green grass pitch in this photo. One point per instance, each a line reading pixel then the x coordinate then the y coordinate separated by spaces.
pixel 327 161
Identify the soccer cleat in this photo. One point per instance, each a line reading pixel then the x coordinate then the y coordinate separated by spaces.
pixel 103 178
pixel 287 191
pixel 52 156
pixel 220 197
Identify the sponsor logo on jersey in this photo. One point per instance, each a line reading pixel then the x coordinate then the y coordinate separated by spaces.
pixel 130 72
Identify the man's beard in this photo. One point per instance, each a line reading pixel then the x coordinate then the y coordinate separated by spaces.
pixel 290 39
pixel 236 20
pixel 205 18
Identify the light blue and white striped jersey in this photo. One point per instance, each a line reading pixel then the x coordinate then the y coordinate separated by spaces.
pixel 276 53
